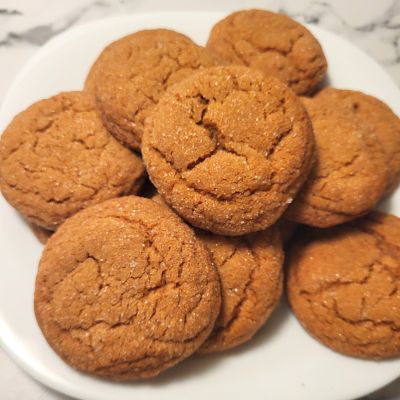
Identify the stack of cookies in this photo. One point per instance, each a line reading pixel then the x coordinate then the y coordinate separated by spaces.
pixel 243 145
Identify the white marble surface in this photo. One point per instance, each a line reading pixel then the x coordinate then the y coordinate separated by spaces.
pixel 373 25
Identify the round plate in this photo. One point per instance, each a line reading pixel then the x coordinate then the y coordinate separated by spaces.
pixel 282 361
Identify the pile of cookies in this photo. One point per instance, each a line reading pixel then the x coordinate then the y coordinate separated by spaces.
pixel 243 145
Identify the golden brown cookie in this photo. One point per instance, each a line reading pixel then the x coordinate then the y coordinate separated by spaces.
pixel 272 43
pixel 228 149
pixel 133 72
pixel 350 174
pixel 250 269
pixel 57 158
pixel 125 290
pixel 41 234
pixel 379 118
pixel 343 285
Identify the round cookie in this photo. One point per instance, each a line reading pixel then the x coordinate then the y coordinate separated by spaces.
pixel 343 286
pixel 350 174
pixel 133 72
pixel 125 290
pixel 250 269
pixel 379 118
pixel 272 43
pixel 228 149
pixel 57 158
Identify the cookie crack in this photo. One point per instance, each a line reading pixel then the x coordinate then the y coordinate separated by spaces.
pixel 44 168
pixel 391 324
pixel 237 310
pixel 334 170
pixel 310 295
pixel 200 160
pixel 148 291
pixel 258 48
pixel 327 286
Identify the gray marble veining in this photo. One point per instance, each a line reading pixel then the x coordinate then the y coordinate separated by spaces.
pixel 25 24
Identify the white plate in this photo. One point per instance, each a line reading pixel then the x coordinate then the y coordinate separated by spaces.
pixel 282 362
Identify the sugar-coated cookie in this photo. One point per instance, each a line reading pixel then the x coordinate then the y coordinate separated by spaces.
pixel 228 149
pixel 343 285
pixel 133 72
pixel 272 43
pixel 57 158
pixel 350 174
pixel 125 290
pixel 379 118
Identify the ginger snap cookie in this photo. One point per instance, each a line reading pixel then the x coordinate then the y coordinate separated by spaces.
pixel 250 271
pixel 125 290
pixel 343 285
pixel 272 43
pixel 380 119
pixel 133 72
pixel 228 149
pixel 57 158
pixel 350 174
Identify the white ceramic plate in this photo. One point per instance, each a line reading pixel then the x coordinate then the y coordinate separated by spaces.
pixel 282 361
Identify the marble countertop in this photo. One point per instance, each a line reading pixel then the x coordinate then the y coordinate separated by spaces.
pixel 25 25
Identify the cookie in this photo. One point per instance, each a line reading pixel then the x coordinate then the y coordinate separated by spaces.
pixel 379 118
pixel 125 290
pixel 272 43
pixel 343 285
pixel 350 175
pixel 57 158
pixel 131 74
pixel 228 149
pixel 41 234
pixel 250 269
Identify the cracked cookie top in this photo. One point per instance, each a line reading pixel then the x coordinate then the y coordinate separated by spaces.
pixel 133 72
pixel 250 269
pixel 272 43
pixel 343 285
pixel 125 290
pixel 57 158
pixel 379 118
pixel 228 149
pixel 351 172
